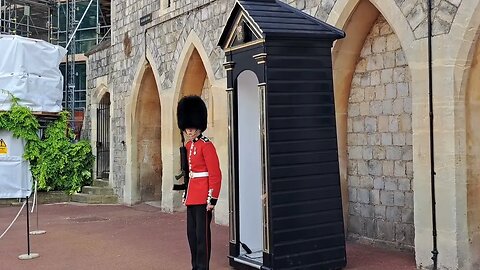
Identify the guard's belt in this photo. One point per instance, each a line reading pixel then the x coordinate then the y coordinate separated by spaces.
pixel 198 174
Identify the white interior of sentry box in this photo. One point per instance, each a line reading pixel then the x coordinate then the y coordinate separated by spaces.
pixel 250 166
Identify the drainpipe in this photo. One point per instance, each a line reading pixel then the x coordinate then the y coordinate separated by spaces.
pixel 432 154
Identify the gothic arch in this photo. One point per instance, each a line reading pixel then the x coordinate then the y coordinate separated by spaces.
pixel 472 103
pixel 98 95
pixel 345 55
pixel 191 44
pixel 147 77
pixel 466 29
pixel 193 76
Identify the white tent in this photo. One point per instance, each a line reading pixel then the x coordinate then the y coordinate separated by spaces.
pixel 15 175
pixel 29 69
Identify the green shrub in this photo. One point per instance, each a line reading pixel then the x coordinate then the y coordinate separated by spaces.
pixel 57 162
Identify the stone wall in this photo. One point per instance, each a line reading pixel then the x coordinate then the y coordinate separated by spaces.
pixel 165 39
pixel 166 34
pixel 317 8
pixel 380 141
pixel 379 136
pixel 98 65
pixel 416 12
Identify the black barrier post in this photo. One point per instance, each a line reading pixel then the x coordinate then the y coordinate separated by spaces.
pixel 29 255
pixel 28 230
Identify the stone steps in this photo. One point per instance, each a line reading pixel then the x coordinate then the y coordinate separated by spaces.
pixel 99 193
pixel 94 190
pixel 44 197
pixel 94 199
pixel 100 183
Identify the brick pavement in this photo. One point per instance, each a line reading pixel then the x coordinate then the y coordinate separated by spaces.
pixel 81 237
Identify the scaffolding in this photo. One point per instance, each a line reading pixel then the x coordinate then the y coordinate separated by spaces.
pixel 77 25
pixel 56 20
pixel 26 18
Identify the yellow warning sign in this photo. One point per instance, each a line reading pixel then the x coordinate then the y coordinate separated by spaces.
pixel 3 147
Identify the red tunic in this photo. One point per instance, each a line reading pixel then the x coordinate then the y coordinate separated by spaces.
pixel 202 159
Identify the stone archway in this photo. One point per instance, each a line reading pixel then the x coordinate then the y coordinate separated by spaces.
pixel 101 135
pixel 472 101
pixel 374 111
pixel 196 82
pixel 345 56
pixel 192 80
pixel 147 137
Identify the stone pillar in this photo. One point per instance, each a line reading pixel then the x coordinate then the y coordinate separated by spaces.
pixel 451 193
pixel 171 200
pixel 221 144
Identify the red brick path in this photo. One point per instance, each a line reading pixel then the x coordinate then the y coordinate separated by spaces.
pixel 83 237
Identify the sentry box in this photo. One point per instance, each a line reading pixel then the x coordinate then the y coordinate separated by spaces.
pixel 284 189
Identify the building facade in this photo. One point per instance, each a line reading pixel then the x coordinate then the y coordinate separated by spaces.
pixel 161 50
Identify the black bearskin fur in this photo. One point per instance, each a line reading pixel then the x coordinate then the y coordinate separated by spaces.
pixel 191 113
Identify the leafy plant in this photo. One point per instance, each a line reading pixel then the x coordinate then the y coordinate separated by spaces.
pixel 56 162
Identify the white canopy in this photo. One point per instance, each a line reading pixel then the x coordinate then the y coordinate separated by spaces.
pixel 15 175
pixel 29 69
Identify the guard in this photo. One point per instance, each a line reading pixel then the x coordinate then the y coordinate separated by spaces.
pixel 205 179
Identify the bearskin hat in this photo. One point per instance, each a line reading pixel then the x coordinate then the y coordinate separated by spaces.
pixel 192 113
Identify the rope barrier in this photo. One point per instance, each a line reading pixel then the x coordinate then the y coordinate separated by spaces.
pixel 13 221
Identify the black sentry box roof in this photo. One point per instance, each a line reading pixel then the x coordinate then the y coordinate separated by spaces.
pixel 274 18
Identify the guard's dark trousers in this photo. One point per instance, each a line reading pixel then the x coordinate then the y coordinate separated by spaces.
pixel 198 232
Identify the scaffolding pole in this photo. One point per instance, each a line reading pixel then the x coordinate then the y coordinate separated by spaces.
pixel 26 24
pixel 49 25
pixel 26 13
pixel 73 26
pixel 71 47
pixel 15 18
pixel 79 22
pixel 1 16
pixel 58 22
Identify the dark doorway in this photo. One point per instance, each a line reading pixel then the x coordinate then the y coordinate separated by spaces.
pixel 148 138
pixel 103 137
